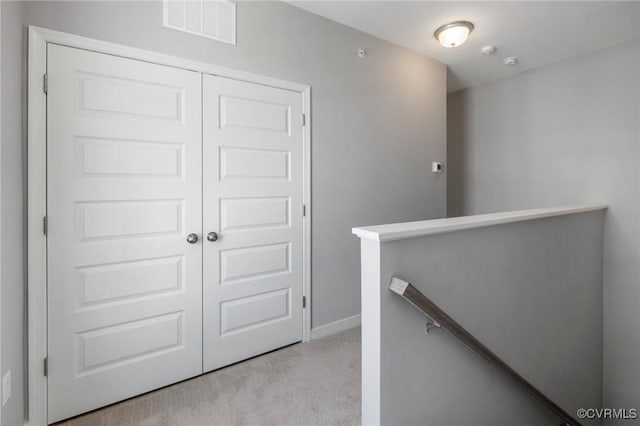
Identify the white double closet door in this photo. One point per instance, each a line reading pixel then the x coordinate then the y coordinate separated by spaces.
pixel 140 156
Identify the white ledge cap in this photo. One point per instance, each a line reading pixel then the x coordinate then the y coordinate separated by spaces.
pixel 398 231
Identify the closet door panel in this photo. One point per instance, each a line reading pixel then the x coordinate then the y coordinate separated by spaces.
pixel 252 201
pixel 124 170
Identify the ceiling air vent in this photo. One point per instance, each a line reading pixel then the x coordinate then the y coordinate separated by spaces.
pixel 214 19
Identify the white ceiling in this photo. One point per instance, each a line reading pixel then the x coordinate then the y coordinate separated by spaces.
pixel 539 33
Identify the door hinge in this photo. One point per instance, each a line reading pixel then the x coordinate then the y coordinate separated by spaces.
pixel 304 301
pixel 45 225
pixel 46 367
pixel 304 119
pixel 45 83
pixel 304 210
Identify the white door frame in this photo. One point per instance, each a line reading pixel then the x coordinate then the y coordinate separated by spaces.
pixel 37 193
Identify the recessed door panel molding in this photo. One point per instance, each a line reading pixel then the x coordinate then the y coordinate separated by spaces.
pixel 254 164
pixel 254 115
pixel 252 213
pixel 254 262
pixel 99 220
pixel 115 345
pixel 124 281
pixel 122 158
pixel 253 272
pixel 125 97
pixel 124 179
pixel 254 311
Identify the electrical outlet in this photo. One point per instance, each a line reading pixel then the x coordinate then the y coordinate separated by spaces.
pixel 6 387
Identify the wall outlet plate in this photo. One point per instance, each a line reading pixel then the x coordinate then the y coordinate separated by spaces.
pixel 436 167
pixel 6 387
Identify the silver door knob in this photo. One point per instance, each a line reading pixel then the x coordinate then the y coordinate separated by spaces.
pixel 192 238
pixel 212 236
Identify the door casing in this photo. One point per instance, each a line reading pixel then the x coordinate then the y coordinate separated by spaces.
pixel 37 184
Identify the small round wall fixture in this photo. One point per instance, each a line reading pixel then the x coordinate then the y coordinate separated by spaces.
pixel 488 50
pixel 511 60
pixel 453 34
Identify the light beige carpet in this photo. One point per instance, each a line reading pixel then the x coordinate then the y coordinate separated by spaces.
pixel 316 383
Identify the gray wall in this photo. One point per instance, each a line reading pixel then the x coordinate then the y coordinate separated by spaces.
pixel 530 291
pixel 13 211
pixel 564 134
pixel 0 205
pixel 378 123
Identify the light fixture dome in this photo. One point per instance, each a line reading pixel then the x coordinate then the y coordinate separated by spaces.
pixel 453 34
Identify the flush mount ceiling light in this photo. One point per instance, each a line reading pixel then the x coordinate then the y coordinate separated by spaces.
pixel 454 33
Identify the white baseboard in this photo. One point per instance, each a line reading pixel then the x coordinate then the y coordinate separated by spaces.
pixel 335 327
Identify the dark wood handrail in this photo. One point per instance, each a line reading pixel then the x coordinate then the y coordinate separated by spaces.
pixel 441 319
